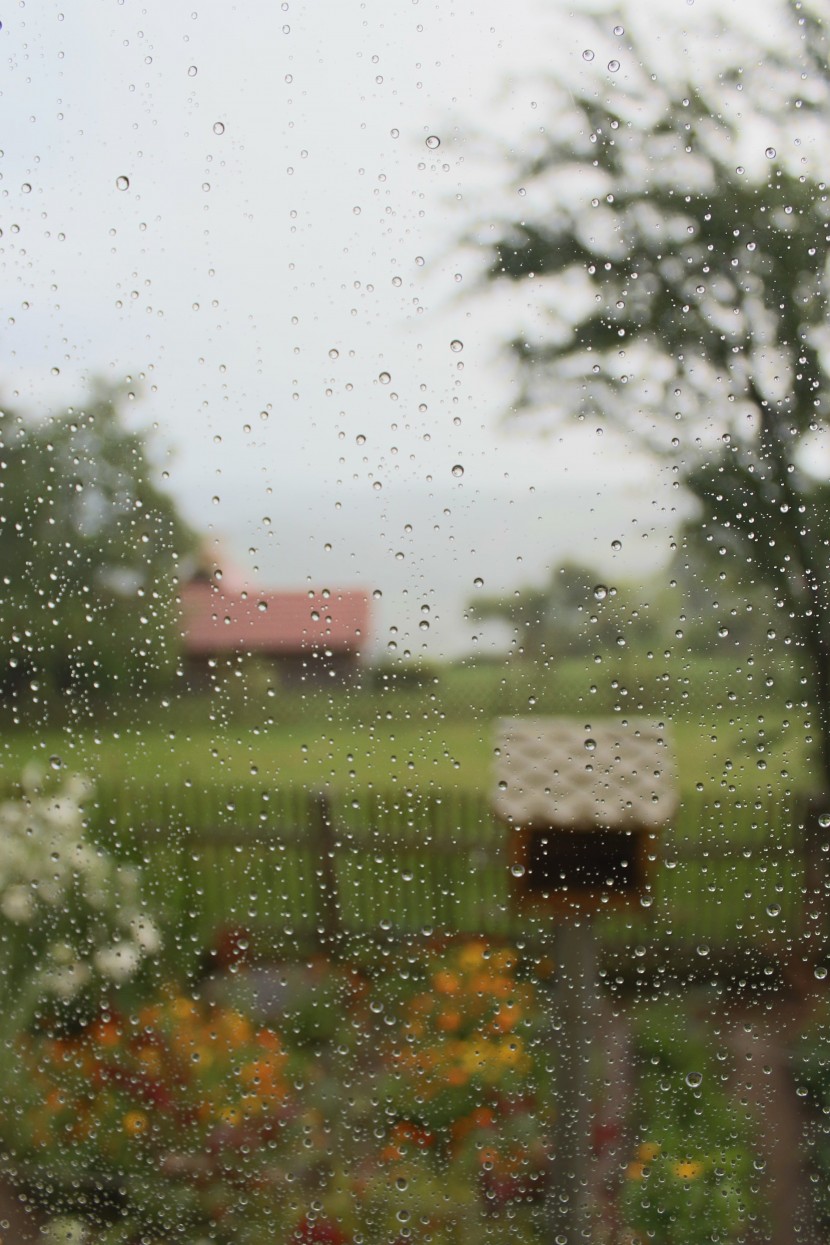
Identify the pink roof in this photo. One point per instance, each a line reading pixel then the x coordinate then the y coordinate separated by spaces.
pixel 218 621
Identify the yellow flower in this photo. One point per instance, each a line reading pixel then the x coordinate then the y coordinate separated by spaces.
pixel 231 1115
pixel 471 957
pixel 635 1171
pixel 135 1123
pixel 687 1170
pixel 648 1151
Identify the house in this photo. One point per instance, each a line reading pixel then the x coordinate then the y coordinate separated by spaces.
pixel 306 635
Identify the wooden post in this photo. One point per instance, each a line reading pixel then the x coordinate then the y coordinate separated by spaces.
pixel 327 905
pixel 816 844
pixel 569 1209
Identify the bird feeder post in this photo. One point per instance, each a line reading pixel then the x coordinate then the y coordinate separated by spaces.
pixel 582 808
pixel 568 1209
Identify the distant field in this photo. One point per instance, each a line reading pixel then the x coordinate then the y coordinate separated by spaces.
pixel 729 729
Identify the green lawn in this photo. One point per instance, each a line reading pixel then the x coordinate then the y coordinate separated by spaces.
pixel 731 725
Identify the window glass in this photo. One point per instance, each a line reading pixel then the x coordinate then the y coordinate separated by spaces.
pixel 414 650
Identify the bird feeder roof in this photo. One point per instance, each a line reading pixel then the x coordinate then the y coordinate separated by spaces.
pixel 614 774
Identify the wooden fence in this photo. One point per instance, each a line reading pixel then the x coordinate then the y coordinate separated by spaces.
pixel 731 882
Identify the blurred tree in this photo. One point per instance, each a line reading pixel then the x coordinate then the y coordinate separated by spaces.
pixel 89 548
pixel 683 296
pixel 573 614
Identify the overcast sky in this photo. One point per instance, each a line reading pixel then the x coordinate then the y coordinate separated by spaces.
pixel 252 210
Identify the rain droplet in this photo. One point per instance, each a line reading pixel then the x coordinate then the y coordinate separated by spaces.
pixel 820 972
pixel 334 354
pixel 262 606
pixel 694 1079
pixel 433 141
pixel 770 153
pixel 588 54
pixel 478 582
pixel 458 470
pixel 192 71
pixel 590 745
pixel 616 545
pixel 456 346
pixel 377 594
pixel 122 183
pixel 600 592
pixel 218 127
pixel 613 66
pixel 384 378
pixel 518 871
pixel 55 762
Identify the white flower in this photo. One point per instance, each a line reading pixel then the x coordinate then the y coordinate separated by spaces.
pixel 67 980
pixel 18 905
pixel 146 934
pixel 64 1231
pixel 118 962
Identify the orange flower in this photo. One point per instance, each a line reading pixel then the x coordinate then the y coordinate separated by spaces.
pixel 647 1152
pixel 106 1033
pixel 507 1017
pixel 635 1171
pixel 448 1022
pixel 446 982
pixel 456 1076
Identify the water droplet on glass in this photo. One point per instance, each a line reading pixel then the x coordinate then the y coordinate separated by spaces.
pixel 588 55
pixel 518 871
pixel 600 592
pixel 377 594
pixel 458 470
pixel 384 378
pixel 218 127
pixel 122 183
pixel 770 153
pixel 616 545
pixel 590 745
pixel 694 1079
pixel 613 66
pixel 334 354
pixel 456 346
pixel 433 141
pixel 192 71
pixel 478 582
pixel 820 972
pixel 55 762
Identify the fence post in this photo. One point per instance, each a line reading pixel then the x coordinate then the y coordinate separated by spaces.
pixel 327 901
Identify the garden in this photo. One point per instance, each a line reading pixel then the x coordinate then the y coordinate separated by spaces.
pixel 161 1083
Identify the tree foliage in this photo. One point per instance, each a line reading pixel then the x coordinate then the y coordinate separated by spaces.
pixel 89 547
pixel 681 288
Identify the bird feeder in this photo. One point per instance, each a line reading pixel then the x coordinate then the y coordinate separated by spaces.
pixel 585 806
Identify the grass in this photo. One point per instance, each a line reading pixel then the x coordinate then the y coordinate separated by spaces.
pixel 730 730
